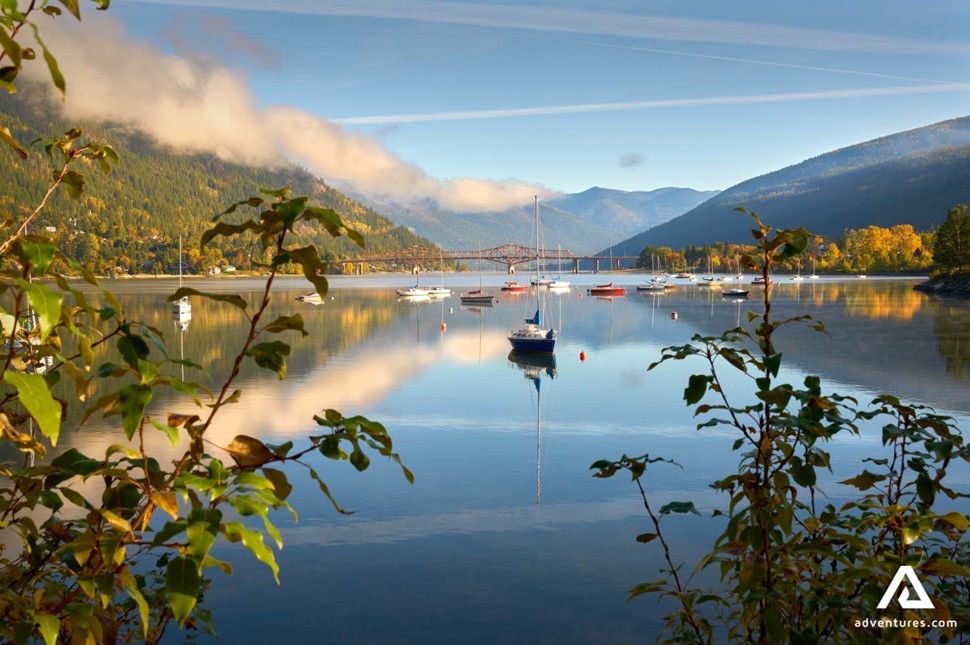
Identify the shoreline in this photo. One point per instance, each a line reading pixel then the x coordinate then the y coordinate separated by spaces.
pixel 951 285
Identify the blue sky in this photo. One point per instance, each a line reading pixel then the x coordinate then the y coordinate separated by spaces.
pixel 572 94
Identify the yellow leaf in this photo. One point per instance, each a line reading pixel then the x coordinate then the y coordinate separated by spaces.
pixel 167 501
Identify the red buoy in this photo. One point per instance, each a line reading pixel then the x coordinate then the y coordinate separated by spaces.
pixel 582 356
pixel 444 326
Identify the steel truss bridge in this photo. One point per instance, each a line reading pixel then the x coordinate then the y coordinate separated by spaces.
pixel 420 258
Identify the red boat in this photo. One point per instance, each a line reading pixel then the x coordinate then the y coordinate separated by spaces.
pixel 514 287
pixel 606 290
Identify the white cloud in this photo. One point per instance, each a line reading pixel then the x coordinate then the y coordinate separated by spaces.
pixel 196 106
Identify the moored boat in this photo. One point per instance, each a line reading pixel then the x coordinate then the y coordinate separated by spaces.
pixel 312 298
pixel 476 297
pixel 513 287
pixel 532 337
pixel 608 289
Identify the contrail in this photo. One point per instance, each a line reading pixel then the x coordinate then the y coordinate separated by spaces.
pixel 556 19
pixel 655 104
pixel 752 61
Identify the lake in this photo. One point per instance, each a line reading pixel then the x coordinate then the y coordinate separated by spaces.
pixel 505 536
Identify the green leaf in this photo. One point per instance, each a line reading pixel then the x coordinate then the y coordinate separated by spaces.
pixel 253 540
pixel 46 304
pixel 39 254
pixel 34 395
pixel 359 459
pixel 8 138
pixel 773 364
pixel 314 269
pixel 286 323
pixel 72 6
pixel 133 399
pixel 222 228
pixel 864 481
pixel 802 473
pixel 271 356
pixel 696 388
pixel 281 486
pixel 679 507
pixel 58 78
pixel 182 586
pixel 11 47
pixel 201 530
pixel 910 534
pixel 232 299
pixel 925 488
pixel 48 626
pixel 646 537
pixel 958 521
pixel 142 606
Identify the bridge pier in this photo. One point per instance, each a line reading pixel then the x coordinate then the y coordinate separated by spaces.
pixel 511 269
pixel 575 266
pixel 596 265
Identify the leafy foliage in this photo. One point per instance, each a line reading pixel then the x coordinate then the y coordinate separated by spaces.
pixel 952 242
pixel 793 567
pixel 116 547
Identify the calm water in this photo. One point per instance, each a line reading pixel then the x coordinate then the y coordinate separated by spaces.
pixel 505 536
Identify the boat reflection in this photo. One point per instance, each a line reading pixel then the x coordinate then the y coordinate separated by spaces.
pixel 533 366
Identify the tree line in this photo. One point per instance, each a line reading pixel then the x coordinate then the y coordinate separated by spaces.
pixel 884 250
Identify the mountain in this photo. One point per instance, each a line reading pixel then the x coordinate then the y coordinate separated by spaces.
pixel 132 217
pixel 581 222
pixel 911 177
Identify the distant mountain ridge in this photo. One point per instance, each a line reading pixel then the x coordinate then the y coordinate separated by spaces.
pixel 912 177
pixel 581 222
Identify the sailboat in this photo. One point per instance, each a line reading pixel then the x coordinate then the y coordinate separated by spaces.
pixel 709 280
pixel 657 283
pixel 558 282
pixel 478 296
pixel 416 291
pixel 813 276
pixel 531 337
pixel 181 308
pixel 798 271
pixel 608 289
pixel 440 291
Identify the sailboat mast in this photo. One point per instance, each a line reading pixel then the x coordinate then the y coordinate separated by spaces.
pixel 537 239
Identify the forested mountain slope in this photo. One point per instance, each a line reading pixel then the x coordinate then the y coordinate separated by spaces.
pixel 131 219
pixel 911 177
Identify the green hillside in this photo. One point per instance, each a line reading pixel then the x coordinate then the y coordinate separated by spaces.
pixel 912 177
pixel 131 219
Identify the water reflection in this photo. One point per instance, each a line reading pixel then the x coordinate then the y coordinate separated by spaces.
pixel 533 366
pixel 469 546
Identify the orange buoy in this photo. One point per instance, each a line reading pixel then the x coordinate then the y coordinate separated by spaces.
pixel 582 356
pixel 673 315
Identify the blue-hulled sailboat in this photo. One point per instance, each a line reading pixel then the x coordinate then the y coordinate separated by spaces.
pixel 532 337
